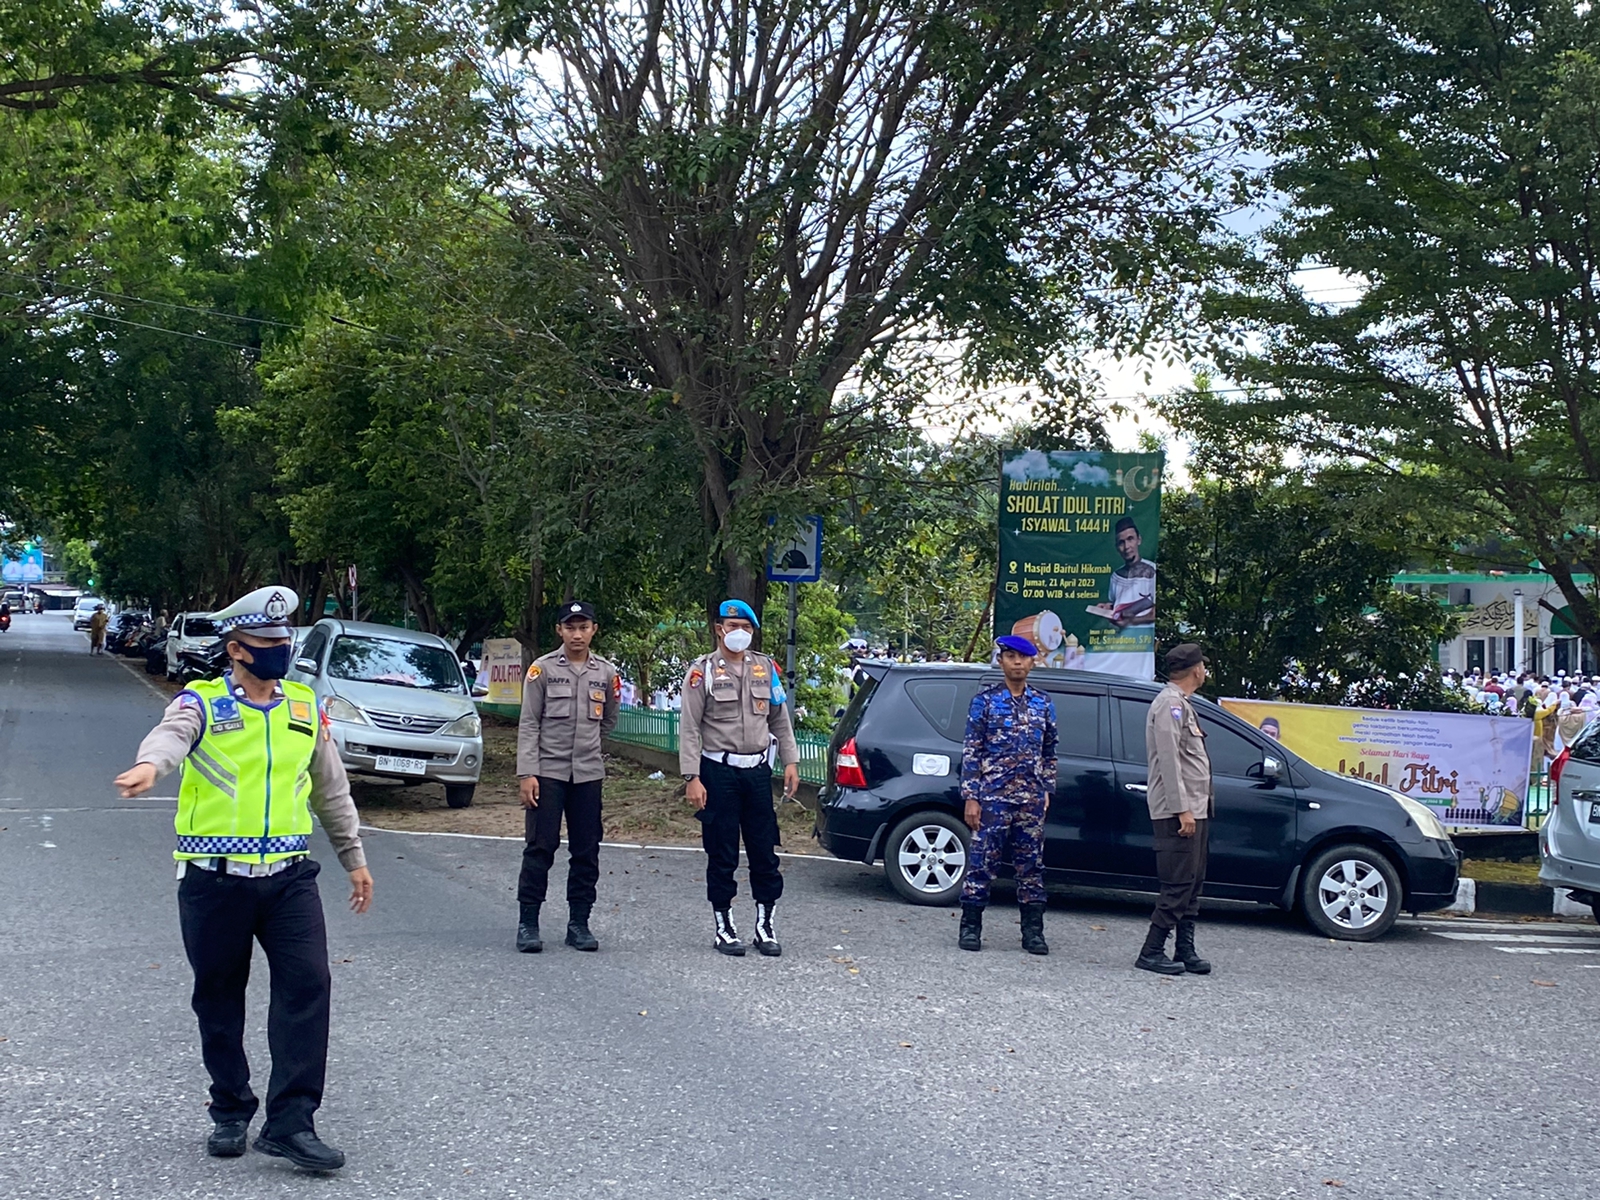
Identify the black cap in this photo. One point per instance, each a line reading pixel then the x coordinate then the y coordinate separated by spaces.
pixel 575 610
pixel 1181 658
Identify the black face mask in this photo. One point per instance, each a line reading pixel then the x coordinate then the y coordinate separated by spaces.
pixel 269 662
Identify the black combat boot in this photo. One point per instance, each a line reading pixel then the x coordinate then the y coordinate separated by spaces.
pixel 578 935
pixel 971 927
pixel 766 941
pixel 1033 929
pixel 528 929
pixel 1153 956
pixel 1185 953
pixel 727 939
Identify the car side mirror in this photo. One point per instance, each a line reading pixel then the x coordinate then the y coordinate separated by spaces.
pixel 306 666
pixel 1268 769
pixel 479 691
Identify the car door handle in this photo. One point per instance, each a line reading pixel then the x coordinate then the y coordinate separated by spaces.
pixel 1136 787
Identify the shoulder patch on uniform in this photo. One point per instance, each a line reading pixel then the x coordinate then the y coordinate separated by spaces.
pixel 616 686
pixel 189 700
pixel 533 672
pixel 1177 713
pixel 696 678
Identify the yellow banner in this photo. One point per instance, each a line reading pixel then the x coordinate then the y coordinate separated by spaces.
pixel 502 658
pixel 1471 770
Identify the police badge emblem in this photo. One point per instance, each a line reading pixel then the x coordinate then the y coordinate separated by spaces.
pixel 225 715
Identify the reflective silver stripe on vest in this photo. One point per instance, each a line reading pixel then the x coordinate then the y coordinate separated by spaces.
pixel 217 768
pixel 206 767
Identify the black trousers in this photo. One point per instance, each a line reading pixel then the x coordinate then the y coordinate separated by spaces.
pixel 220 916
pixel 542 827
pixel 1181 868
pixel 739 801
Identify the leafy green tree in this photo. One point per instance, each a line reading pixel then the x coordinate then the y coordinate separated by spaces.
pixel 1284 577
pixel 809 213
pixel 1439 160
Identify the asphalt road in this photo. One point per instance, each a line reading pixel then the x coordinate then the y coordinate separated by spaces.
pixel 872 1060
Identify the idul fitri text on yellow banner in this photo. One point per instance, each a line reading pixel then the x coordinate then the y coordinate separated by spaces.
pixel 1471 770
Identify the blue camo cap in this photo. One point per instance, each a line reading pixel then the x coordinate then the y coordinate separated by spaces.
pixel 738 608
pixel 1020 644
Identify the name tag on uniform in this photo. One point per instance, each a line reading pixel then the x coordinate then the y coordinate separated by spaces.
pixel 225 715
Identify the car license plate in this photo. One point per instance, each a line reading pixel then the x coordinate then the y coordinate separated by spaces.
pixel 1594 812
pixel 402 766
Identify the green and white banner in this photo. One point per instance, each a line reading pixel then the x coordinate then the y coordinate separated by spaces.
pixel 1078 553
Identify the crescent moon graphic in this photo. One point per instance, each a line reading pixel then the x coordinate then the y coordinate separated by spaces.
pixel 1149 477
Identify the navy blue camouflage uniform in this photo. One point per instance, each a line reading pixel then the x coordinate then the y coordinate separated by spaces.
pixel 1008 765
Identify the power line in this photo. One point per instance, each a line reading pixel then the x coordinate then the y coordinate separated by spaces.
pixel 198 337
pixel 131 299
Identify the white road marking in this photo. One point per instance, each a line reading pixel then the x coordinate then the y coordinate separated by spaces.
pixel 1542 950
pixel 1552 938
pixel 498 837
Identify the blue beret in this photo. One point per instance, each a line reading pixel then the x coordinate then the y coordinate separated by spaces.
pixel 1020 644
pixel 738 608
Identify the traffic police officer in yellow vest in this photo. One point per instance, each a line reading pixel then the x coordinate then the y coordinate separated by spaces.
pixel 256 760
pixel 734 710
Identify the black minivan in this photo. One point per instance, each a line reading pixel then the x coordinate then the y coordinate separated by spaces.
pixel 1349 854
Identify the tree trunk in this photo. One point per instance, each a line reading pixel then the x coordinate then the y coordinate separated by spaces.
pixel 527 631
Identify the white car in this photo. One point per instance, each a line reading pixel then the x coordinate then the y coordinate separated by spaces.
pixel 190 631
pixel 83 610
pixel 398 703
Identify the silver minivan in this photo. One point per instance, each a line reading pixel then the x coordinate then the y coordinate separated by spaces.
pixel 1569 839
pixel 397 702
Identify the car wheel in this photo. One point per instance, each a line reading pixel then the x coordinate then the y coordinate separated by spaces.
pixel 1351 893
pixel 459 795
pixel 925 858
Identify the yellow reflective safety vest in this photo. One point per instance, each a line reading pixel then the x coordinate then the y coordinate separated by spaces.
pixel 247 782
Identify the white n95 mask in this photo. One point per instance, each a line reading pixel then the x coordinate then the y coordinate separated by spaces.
pixel 738 640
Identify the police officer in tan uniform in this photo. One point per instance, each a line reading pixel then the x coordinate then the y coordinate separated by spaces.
pixel 570 700
pixel 1181 804
pixel 734 709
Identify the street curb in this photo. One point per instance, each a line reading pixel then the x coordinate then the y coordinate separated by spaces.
pixel 1478 896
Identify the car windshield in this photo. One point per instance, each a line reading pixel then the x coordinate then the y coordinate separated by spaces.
pixel 402 664
pixel 199 627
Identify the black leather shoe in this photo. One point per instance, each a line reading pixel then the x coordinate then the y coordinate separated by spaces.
pixel 304 1149
pixel 228 1139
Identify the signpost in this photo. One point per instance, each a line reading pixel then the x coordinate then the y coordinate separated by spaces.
pixel 355 609
pixel 795 561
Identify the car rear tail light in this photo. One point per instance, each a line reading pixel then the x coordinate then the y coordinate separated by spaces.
pixel 847 770
pixel 1557 765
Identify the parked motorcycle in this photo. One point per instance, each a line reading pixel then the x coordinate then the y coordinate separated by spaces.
pixel 207 663
pixel 155 653
pixel 124 629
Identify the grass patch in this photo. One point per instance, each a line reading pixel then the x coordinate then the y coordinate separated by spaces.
pixel 1494 870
